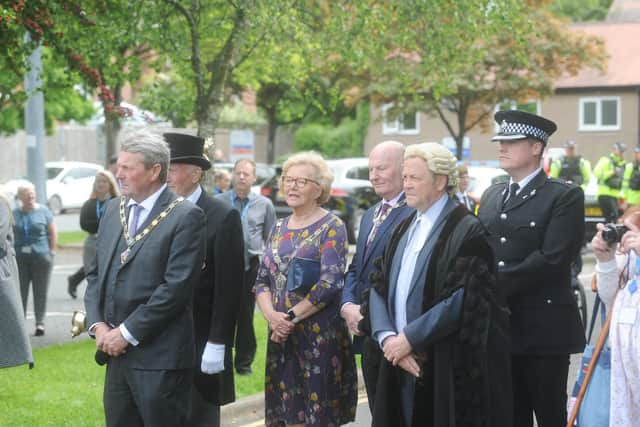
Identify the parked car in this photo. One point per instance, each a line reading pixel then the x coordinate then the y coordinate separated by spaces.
pixel 351 193
pixel 69 184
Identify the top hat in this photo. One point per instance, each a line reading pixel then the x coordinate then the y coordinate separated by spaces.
pixel 187 149
pixel 515 124
pixel 619 146
pixel 570 144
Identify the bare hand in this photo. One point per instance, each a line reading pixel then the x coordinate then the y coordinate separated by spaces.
pixel 114 344
pixel 351 315
pixel 278 338
pixel 100 331
pixel 279 322
pixel 396 348
pixel 410 364
pixel 601 249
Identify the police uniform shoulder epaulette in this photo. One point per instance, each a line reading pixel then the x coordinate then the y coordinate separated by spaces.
pixel 559 182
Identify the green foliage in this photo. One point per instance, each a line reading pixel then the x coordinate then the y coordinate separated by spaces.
pixel 171 96
pixel 581 10
pixel 345 140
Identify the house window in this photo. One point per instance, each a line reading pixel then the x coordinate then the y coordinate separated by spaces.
pixel 601 113
pixel 406 123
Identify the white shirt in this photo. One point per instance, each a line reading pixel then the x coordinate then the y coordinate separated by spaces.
pixel 193 197
pixel 419 231
pixel 523 182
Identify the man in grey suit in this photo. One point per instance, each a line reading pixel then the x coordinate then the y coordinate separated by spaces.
pixel 434 309
pixel 150 251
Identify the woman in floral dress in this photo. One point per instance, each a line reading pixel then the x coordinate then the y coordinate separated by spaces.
pixel 310 371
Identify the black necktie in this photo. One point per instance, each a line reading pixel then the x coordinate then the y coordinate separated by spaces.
pixel 511 196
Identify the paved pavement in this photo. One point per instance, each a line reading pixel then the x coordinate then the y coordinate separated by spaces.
pixel 247 412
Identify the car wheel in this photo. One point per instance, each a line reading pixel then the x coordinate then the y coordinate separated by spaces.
pixel 353 228
pixel 55 204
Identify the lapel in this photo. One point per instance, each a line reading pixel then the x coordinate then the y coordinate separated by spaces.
pixel 380 238
pixel 115 232
pixel 529 191
pixel 163 201
pixel 365 229
pixel 427 249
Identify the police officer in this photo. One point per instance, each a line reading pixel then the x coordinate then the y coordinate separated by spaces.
pixel 609 172
pixel 536 227
pixel 631 180
pixel 571 167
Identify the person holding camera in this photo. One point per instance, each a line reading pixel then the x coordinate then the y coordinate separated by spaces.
pixel 609 172
pixel 616 249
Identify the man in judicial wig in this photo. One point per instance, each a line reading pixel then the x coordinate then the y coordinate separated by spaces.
pixel 150 252
pixel 435 310
pixel 217 294
pixel 536 228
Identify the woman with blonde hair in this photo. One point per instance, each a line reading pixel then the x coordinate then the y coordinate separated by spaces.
pixel 16 348
pixel 105 188
pixel 310 370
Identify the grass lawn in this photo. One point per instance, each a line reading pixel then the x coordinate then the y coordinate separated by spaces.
pixel 65 387
pixel 68 237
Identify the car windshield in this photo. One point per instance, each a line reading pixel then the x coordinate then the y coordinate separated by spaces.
pixel 53 172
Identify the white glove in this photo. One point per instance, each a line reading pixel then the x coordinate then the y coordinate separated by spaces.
pixel 212 358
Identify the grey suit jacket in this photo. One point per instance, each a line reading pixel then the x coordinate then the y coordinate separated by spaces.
pixel 382 312
pixel 152 291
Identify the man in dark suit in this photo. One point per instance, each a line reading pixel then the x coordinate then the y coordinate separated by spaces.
pixel 385 174
pixel 463 184
pixel 434 310
pixel 150 251
pixel 536 227
pixel 217 294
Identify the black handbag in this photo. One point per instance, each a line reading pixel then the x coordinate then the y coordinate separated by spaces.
pixel 302 275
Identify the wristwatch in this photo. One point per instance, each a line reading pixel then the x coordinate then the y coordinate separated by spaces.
pixel 291 315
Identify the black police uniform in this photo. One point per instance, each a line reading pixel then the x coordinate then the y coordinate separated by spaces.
pixel 535 237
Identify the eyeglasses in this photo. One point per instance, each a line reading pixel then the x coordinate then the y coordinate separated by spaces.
pixel 299 181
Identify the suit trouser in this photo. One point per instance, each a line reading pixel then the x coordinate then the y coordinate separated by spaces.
pixel 203 413
pixel 371 358
pixel 35 269
pixel 245 334
pixel 609 207
pixel 146 397
pixel 540 387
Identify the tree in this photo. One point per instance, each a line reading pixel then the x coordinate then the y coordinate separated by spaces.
pixel 581 10
pixel 504 68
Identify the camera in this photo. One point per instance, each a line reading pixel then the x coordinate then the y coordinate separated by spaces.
pixel 612 233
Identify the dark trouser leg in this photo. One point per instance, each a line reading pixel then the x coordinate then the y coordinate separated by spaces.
pixel 119 406
pixel 371 357
pixel 41 275
pixel 203 413
pixel 76 278
pixel 163 397
pixel 24 271
pixel 540 387
pixel 245 335
pixel 609 206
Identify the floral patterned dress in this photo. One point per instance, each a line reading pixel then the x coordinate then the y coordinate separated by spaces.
pixel 311 377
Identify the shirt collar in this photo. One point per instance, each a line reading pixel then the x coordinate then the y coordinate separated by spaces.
pixel 526 180
pixel 395 200
pixel 431 215
pixel 148 203
pixel 193 197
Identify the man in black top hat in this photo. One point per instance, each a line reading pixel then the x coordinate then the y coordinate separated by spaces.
pixel 216 295
pixel 536 227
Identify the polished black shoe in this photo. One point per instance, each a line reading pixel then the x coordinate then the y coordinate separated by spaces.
pixel 39 331
pixel 71 288
pixel 244 370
